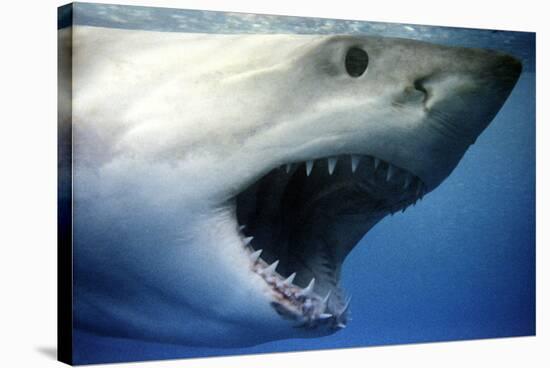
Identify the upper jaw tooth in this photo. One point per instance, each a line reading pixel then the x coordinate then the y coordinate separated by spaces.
pixel 407 181
pixel 376 163
pixel 354 162
pixel 331 164
pixel 309 166
pixel 390 172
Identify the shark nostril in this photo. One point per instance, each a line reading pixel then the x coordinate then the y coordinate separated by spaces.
pixel 412 94
pixel 419 86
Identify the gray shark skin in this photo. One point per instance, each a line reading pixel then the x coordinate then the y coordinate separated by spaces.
pixel 220 181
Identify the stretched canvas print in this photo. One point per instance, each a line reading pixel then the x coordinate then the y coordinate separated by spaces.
pixel 238 183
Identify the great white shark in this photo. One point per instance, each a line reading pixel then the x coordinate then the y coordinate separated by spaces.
pixel 220 181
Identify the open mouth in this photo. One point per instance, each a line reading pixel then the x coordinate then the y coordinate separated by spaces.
pixel 300 221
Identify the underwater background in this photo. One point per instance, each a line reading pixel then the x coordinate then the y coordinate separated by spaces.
pixel 459 265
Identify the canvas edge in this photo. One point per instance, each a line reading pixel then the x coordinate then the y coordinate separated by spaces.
pixel 64 192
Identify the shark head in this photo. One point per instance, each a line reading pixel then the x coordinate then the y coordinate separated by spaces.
pixel 221 181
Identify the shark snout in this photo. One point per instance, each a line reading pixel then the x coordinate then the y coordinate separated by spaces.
pixel 488 88
pixel 465 96
pixel 506 70
pixel 460 91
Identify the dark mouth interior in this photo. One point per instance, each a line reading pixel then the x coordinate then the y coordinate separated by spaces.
pixel 308 216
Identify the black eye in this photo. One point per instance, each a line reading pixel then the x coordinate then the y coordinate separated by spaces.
pixel 356 61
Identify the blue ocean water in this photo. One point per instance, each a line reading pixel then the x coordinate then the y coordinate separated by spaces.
pixel 459 265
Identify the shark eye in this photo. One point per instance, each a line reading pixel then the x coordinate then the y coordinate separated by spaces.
pixel 356 61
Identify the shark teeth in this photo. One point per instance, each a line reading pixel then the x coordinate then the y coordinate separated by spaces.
pixel 308 289
pixel 372 176
pixel 290 279
pixel 374 171
pixel 346 306
pixel 309 167
pixel 419 190
pixel 255 255
pixel 302 305
pixel 331 162
pixel 354 162
pixel 269 270
pixel 390 172
pixel 324 306
pixel 407 181
pixel 326 298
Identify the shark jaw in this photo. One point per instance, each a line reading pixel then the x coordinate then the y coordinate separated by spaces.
pixel 299 222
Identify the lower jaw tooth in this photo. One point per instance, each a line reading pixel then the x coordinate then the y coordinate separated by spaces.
pixel 345 308
pixel 289 279
pixel 309 289
pixel 271 268
pixel 418 189
pixel 254 256
pixel 325 300
pixel 247 240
